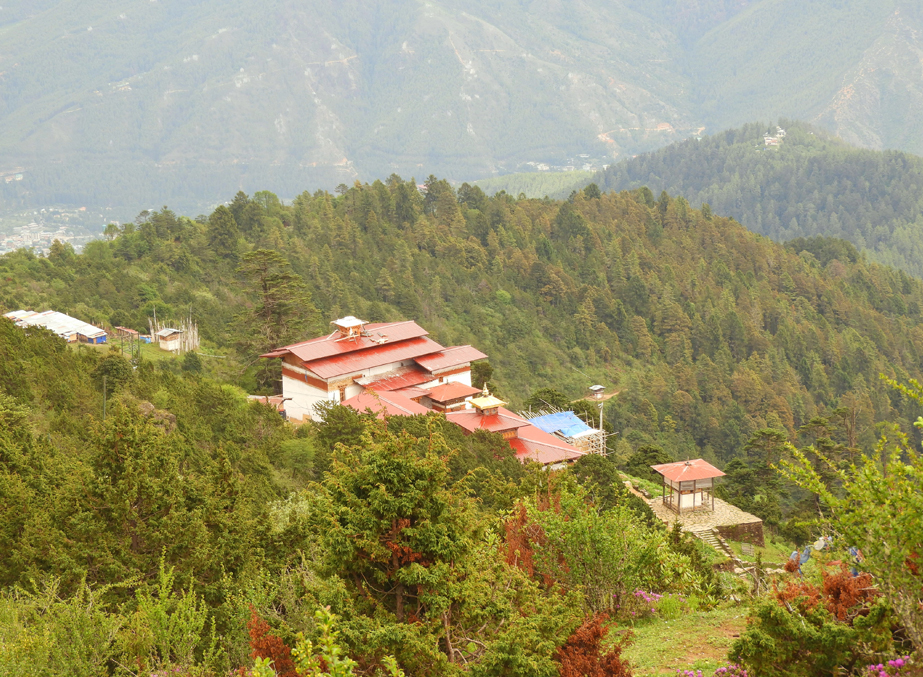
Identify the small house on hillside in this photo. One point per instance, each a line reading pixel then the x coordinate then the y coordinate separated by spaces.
pixel 169 339
pixel 688 485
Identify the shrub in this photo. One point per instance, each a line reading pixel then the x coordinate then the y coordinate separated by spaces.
pixel 265 645
pixel 671 606
pixel 809 630
pixel 582 654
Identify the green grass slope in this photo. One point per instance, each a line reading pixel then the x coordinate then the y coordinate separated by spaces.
pixel 536 184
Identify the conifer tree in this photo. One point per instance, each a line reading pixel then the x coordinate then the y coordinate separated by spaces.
pixel 282 312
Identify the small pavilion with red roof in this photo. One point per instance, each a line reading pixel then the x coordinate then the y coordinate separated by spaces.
pixel 690 485
pixel 451 396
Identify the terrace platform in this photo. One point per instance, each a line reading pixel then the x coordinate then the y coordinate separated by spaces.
pixel 729 521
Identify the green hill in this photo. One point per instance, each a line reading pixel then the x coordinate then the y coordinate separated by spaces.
pixel 810 185
pixel 152 519
pixel 709 331
pixel 116 104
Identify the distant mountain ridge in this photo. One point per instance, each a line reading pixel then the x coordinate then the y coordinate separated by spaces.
pixel 809 185
pixel 133 104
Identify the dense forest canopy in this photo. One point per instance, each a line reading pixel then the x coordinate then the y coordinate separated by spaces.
pixel 158 522
pixel 809 185
pixel 708 331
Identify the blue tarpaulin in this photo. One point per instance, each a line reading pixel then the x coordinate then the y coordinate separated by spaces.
pixel 565 422
pixel 806 555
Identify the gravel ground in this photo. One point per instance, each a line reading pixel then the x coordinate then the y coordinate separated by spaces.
pixel 725 515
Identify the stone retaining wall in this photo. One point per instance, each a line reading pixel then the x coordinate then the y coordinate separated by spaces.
pixel 732 523
pixel 744 533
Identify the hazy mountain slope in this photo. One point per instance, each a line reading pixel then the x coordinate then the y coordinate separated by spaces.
pixel 166 97
pixel 810 185
pixel 127 102
pixel 880 98
pixel 783 57
pixel 690 19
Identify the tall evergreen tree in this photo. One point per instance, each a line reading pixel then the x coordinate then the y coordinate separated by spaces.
pixel 281 313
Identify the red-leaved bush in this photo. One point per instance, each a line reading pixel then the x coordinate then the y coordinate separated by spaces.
pixel 845 596
pixel 582 654
pixel 522 536
pixel 264 644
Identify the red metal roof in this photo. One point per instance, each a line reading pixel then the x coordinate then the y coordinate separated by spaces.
pixel 380 334
pixel 451 391
pixel 471 419
pixel 533 444
pixel 376 356
pixel 412 392
pixel 530 443
pixel 686 471
pixel 385 404
pixel 450 357
pixel 393 380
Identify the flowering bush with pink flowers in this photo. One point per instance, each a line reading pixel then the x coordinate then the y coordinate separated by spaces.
pixel 639 605
pixel 732 670
pixel 893 668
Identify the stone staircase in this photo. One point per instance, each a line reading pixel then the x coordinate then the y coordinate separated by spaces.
pixel 712 538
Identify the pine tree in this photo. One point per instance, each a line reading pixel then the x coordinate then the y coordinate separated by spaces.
pixel 283 311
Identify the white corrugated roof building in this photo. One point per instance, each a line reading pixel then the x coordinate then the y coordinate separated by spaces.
pixel 63 325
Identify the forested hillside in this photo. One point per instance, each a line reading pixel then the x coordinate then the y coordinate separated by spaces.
pixel 809 185
pixel 155 521
pixel 122 103
pixel 709 331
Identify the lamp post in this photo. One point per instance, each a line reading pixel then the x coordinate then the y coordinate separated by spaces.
pixel 596 393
